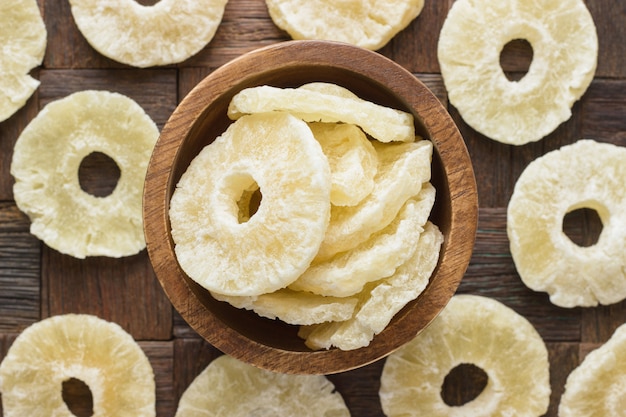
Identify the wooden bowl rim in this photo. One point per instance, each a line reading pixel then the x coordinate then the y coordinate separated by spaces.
pixel 448 144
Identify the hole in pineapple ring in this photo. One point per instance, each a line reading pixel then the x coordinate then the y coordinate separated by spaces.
pixel 463 384
pixel 515 59
pixel 77 396
pixel 583 226
pixel 249 203
pixel 98 174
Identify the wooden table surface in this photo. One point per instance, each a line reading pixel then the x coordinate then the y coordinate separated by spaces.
pixel 38 282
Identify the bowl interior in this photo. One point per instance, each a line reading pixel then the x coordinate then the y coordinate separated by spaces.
pixel 201 117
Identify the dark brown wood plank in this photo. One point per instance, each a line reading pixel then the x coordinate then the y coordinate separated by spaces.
pixel 415 48
pixel 122 290
pixel 609 19
pixel 20 254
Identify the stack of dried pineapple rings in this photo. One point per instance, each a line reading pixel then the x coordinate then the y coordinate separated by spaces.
pixel 341 239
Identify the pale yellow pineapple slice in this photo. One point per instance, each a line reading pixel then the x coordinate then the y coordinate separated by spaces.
pixel 352 158
pixel 597 387
pixel 563 37
pixel 168 32
pixel 381 300
pixel 471 330
pixel 402 170
pixel 45 165
pixel 328 88
pixel 99 353
pixel 586 174
pixel 368 24
pixel 23 38
pixel 295 307
pixel 229 387
pixel 279 154
pixel 382 123
pixel 346 273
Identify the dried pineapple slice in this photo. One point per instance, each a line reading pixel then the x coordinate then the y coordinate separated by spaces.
pixel 402 170
pixel 378 257
pixel 295 307
pixel 370 24
pixel 470 330
pixel 228 387
pixel 382 123
pixel 269 251
pixel 352 158
pixel 565 50
pixel 597 387
pixel 167 32
pixel 380 301
pixel 97 352
pixel 23 38
pixel 586 174
pixel 45 165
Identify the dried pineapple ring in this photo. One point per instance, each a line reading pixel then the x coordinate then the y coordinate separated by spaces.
pixel 278 152
pixel 596 386
pixel 295 307
pixel 565 49
pixel 329 105
pixel 167 32
pixel 402 171
pixel 378 257
pixel 470 330
pixel 586 174
pixel 368 24
pixel 45 165
pixel 228 387
pixel 99 353
pixel 380 300
pixel 352 158
pixel 23 39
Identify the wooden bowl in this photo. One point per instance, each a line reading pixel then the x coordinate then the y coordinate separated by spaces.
pixel 201 116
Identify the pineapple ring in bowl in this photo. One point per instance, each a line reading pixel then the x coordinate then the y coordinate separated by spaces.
pixel 203 115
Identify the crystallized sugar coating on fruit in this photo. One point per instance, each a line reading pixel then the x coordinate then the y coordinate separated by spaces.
pixel 597 387
pixel 45 164
pixel 384 124
pixel 168 32
pixel 277 153
pixel 352 158
pixel 23 38
pixel 586 174
pixel 565 49
pixel 368 24
pixel 346 273
pixel 471 330
pixel 380 300
pixel 295 307
pixel 99 353
pixel 228 387
pixel 403 168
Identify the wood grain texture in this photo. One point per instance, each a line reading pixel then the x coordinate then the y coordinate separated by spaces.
pixel 36 282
